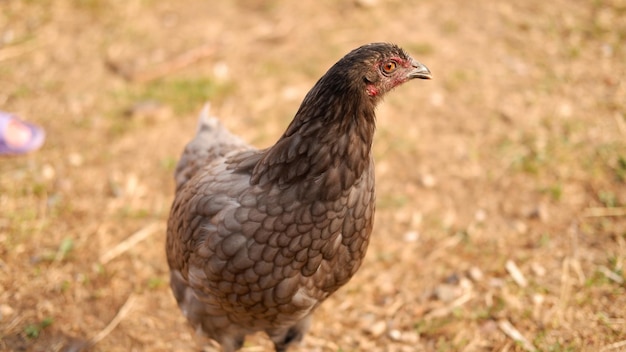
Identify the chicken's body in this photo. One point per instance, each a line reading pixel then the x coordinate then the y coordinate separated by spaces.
pixel 257 239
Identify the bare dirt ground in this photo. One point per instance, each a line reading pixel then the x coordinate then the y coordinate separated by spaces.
pixel 501 222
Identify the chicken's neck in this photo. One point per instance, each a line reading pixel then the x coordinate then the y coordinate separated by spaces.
pixel 326 148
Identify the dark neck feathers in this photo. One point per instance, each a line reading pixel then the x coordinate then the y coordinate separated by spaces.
pixel 327 146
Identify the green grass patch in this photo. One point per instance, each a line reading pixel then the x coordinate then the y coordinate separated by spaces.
pixel 155 282
pixel 608 198
pixel 34 330
pixel 183 95
pixel 555 191
pixel 620 169
pixel 169 163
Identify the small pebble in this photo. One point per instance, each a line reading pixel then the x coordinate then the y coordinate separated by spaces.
pixel 377 329
pixel 75 159
pixel 476 274
pixel 5 311
pixel 411 236
pixel 480 215
pixel 367 3
pixel 465 284
pixel 428 181
pixel 221 71
pixel 48 172
pixel 447 293
pixel 395 335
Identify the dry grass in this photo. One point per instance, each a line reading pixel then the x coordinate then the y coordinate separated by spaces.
pixel 501 183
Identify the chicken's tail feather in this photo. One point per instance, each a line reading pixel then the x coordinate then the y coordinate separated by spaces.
pixel 206 122
pixel 212 141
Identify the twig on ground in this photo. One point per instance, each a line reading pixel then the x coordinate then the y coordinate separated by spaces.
pixel 515 273
pixel 121 314
pixel 253 349
pixel 3 266
pixel 473 345
pixel 394 308
pixel 574 262
pixel 577 268
pixel 510 331
pixel 13 324
pixel 445 244
pixel 322 342
pixel 565 288
pixel 443 311
pixel 601 212
pixel 164 68
pixel 13 51
pixel 614 346
pixel 621 125
pixel 129 242
pixel 611 275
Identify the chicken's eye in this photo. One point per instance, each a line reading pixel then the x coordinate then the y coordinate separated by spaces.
pixel 389 66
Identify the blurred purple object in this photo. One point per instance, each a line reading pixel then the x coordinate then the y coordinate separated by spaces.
pixel 34 142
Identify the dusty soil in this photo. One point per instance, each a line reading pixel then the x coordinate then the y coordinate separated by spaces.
pixel 501 222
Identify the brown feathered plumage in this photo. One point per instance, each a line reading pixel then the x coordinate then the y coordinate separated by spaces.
pixel 257 239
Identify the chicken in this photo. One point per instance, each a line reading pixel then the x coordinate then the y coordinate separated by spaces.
pixel 258 239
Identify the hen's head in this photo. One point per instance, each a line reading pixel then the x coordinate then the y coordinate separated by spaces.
pixel 377 68
pixel 327 145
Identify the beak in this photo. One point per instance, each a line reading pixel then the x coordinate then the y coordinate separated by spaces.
pixel 419 71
